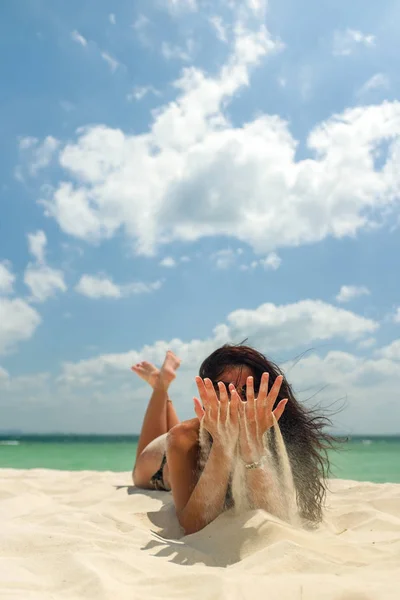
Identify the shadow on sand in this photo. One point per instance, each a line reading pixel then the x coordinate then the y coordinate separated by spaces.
pixel 220 544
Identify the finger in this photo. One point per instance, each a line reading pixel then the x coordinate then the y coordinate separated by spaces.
pixel 202 390
pixel 241 409
pixel 250 389
pixel 272 396
pixel 233 391
pixel 263 391
pixel 234 407
pixel 205 396
pixel 223 402
pixel 212 398
pixel 251 402
pixel 198 409
pixel 278 412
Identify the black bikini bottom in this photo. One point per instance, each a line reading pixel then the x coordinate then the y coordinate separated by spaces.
pixel 158 478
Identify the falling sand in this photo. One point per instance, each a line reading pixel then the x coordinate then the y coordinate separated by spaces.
pixel 275 491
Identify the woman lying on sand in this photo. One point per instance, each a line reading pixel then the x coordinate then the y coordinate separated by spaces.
pixel 242 393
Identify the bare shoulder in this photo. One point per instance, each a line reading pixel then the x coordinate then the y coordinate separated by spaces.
pixel 185 435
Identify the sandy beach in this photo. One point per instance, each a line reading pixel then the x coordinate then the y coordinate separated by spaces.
pixel 71 535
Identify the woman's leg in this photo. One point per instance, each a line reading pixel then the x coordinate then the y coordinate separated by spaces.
pixel 155 420
pixel 149 460
pixel 172 417
pixel 149 372
pixel 159 418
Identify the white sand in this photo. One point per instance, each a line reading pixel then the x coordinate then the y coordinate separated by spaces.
pixel 89 535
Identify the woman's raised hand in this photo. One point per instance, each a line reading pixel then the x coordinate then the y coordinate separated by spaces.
pixel 219 416
pixel 230 422
pixel 256 415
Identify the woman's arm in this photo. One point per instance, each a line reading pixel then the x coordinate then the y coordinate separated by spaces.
pixel 256 417
pixel 263 491
pixel 198 503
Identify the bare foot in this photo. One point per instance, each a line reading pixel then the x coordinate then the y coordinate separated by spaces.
pixel 147 371
pixel 152 375
pixel 170 365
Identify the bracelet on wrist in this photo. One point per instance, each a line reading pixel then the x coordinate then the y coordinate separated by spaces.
pixel 254 465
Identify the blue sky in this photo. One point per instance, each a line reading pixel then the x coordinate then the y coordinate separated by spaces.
pixel 179 174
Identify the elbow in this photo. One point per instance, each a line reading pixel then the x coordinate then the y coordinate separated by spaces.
pixel 188 524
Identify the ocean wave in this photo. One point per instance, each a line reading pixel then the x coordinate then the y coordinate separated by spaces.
pixel 9 443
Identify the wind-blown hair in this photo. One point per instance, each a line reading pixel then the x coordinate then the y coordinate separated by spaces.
pixel 302 428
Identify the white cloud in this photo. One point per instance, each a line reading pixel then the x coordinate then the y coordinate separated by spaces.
pixel 219 28
pixel 27 142
pixel 168 261
pixel 175 130
pixel 281 327
pixel 37 156
pixel 18 323
pixel 141 22
pixel 199 176
pixel 141 287
pixel 44 153
pixel 78 38
pixel 348 292
pixel 272 261
pixel 141 26
pixel 379 80
pixel 360 381
pixel 297 324
pixel 141 92
pixel 99 286
pixel 396 317
pixel 44 282
pixel 391 352
pixel 25 384
pixel 345 42
pixel 224 258
pixel 367 343
pixel 37 245
pixel 7 279
pixel 112 62
pixel 175 52
pixel 112 19
pixel 257 7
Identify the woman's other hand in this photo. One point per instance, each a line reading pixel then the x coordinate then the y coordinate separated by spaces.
pixel 256 416
pixel 219 416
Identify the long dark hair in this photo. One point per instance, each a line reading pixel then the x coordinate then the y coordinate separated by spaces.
pixel 302 428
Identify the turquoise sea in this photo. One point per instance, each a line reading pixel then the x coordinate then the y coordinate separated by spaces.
pixel 365 458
